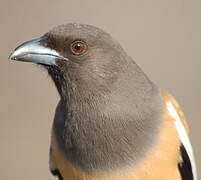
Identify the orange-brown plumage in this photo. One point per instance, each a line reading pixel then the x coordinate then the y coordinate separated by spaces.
pixel 112 122
pixel 160 163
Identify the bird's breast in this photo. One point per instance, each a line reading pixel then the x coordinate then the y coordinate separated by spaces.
pixel 160 162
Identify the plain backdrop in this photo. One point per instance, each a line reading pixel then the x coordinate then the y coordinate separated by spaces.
pixel 163 36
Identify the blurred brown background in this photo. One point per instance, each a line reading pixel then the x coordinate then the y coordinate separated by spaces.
pixel 163 36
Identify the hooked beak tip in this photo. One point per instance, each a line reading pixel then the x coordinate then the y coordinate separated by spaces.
pixel 12 57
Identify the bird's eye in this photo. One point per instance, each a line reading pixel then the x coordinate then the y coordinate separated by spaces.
pixel 78 47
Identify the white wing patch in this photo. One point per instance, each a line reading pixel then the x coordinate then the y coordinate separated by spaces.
pixel 183 137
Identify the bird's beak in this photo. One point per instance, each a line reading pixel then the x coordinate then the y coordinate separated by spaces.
pixel 34 51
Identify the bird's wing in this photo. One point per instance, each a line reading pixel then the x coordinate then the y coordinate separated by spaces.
pixel 187 166
pixel 53 169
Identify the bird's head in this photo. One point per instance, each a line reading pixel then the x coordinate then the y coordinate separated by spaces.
pixel 105 93
pixel 85 55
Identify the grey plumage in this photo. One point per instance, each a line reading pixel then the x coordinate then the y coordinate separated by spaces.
pixel 109 113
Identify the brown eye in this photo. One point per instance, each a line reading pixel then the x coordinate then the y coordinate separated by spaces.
pixel 78 47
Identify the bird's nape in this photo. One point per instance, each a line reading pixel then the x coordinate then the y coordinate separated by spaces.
pixel 111 118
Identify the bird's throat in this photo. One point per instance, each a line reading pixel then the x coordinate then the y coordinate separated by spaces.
pixel 100 134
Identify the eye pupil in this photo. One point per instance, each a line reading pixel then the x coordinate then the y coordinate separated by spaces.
pixel 78 47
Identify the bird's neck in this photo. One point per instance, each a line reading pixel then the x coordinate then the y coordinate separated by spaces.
pixel 110 129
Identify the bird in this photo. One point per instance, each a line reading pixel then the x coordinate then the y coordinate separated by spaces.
pixel 111 122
